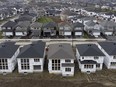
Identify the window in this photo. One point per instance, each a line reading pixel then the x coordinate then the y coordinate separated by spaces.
pixel 55 64
pixel 68 69
pixel 82 57
pixel 114 57
pixel 3 64
pixel 37 67
pixel 36 60
pixel 98 65
pixel 88 66
pixel 67 61
pixel 96 57
pixel 113 63
pixel 25 64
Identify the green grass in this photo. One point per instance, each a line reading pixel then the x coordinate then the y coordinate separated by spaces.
pixel 44 20
pixel 1 35
pixel 85 35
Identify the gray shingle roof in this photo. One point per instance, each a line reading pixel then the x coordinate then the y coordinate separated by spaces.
pixel 60 51
pixel 89 50
pixel 49 25
pixel 108 24
pixel 10 24
pixel 36 25
pixel 109 47
pixel 34 50
pixel 77 24
pixel 90 23
pixel 7 49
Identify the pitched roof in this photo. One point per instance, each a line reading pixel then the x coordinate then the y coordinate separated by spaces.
pixel 49 25
pixel 60 51
pixel 77 24
pixel 108 24
pixel 109 47
pixel 34 50
pixel 36 24
pixel 7 49
pixel 9 24
pixel 89 50
pixel 90 23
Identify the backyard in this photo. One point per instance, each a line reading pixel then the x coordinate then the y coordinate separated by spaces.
pixel 104 78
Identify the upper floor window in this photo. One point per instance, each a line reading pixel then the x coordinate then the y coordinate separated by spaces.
pixel 3 64
pixel 25 64
pixel 96 57
pixel 82 57
pixel 114 57
pixel 36 60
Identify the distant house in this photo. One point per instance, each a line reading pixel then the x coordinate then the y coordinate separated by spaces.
pixel 108 27
pixel 90 58
pixel 8 54
pixel 49 29
pixel 65 29
pixel 8 28
pixel 27 17
pixel 61 59
pixel 22 28
pixel 36 28
pixel 78 29
pixel 92 28
pixel 31 57
pixel 67 14
pixel 109 49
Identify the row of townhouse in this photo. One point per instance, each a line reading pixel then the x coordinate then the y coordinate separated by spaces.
pixel 65 29
pixel 61 57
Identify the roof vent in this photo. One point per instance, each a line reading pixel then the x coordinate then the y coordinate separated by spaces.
pixel 60 45
pixel 114 43
pixel 32 44
pixel 3 45
pixel 89 44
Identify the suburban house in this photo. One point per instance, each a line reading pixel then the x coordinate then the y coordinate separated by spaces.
pixel 31 57
pixel 61 59
pixel 78 29
pixel 65 29
pixel 49 29
pixel 92 28
pixel 109 49
pixel 108 27
pixel 35 28
pixel 8 53
pixel 22 28
pixel 90 58
pixel 8 28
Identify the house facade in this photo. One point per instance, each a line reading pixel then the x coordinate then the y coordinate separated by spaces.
pixel 49 29
pixel 61 59
pixel 109 49
pixel 36 28
pixel 65 29
pixel 31 57
pixel 8 53
pixel 78 29
pixel 22 28
pixel 90 58
pixel 8 28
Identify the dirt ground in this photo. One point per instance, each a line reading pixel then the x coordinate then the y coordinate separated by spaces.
pixel 45 83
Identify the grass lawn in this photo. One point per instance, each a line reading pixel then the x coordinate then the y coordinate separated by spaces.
pixel 44 20
pixel 85 35
pixel 1 35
